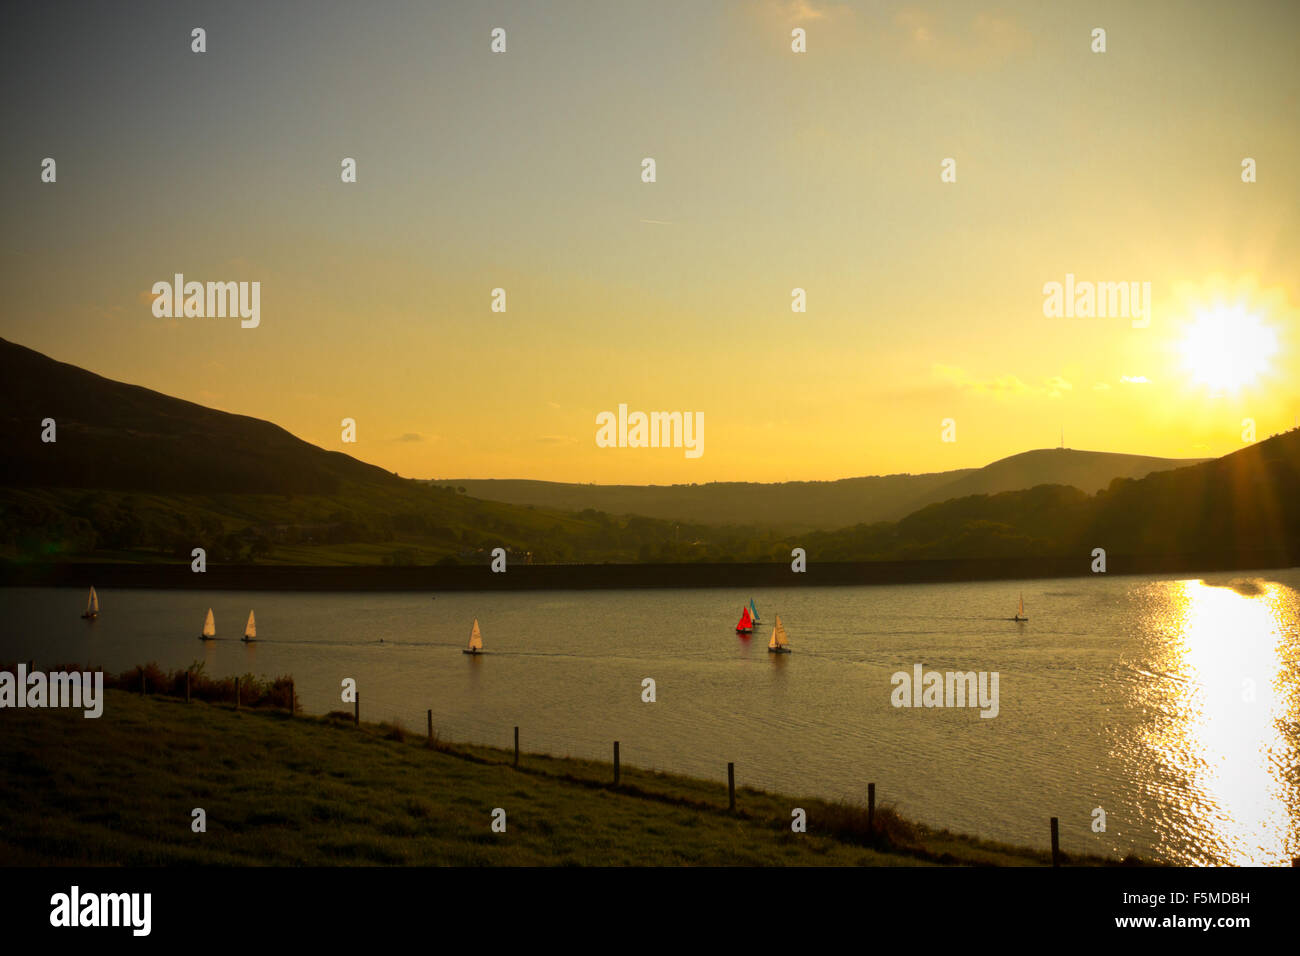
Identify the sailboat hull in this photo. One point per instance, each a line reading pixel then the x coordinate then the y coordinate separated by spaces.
pixel 778 650
pixel 473 653
pixel 90 615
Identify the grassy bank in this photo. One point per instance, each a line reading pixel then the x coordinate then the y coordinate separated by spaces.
pixel 284 790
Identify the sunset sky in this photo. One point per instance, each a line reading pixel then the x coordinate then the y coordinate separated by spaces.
pixel 775 170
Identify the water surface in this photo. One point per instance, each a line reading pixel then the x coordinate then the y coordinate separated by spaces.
pixel 1171 704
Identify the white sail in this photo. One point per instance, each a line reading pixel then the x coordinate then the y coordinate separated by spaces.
pixel 475 638
pixel 250 629
pixel 209 625
pixel 779 638
pixel 92 602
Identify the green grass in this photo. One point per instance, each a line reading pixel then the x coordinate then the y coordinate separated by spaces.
pixel 281 790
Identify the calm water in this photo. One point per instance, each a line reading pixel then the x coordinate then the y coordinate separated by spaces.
pixel 1174 705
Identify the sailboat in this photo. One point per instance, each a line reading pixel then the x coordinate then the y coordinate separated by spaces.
pixel 92 606
pixel 746 623
pixel 250 629
pixel 475 641
pixel 209 627
pixel 779 644
pixel 1020 611
pixel 754 610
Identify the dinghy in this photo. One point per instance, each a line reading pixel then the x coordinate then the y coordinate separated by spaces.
pixel 753 608
pixel 92 606
pixel 1020 611
pixel 746 623
pixel 475 641
pixel 250 629
pixel 779 644
pixel 209 627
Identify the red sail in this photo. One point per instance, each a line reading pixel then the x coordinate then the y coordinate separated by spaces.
pixel 746 622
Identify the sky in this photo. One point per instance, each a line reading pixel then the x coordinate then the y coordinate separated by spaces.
pixel 775 170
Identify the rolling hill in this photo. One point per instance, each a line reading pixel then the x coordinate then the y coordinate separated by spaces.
pixel 135 475
pixel 1244 504
pixel 118 437
pixel 799 506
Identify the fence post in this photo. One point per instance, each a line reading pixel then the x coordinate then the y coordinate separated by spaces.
pixel 187 687
pixel 731 786
pixel 356 709
pixel 430 716
pixel 1056 843
pixel 516 746
pixel 236 693
pixel 871 809
pixel 616 763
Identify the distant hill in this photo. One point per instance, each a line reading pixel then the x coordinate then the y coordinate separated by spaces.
pixel 1244 503
pixel 797 506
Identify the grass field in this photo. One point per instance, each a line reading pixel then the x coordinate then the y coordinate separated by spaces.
pixel 282 790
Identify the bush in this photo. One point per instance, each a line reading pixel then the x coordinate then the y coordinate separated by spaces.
pixel 253 691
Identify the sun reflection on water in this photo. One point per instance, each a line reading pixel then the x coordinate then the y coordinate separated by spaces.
pixel 1222 724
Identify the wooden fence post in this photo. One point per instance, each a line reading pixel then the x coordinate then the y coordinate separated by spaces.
pixel 731 786
pixel 1056 842
pixel 356 709
pixel 616 763
pixel 430 716
pixel 236 693
pixel 516 746
pixel 871 809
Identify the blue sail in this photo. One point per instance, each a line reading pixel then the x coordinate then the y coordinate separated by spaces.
pixel 753 609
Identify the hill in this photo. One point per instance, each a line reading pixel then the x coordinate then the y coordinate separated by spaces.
pixel 118 437
pixel 136 475
pixel 799 506
pixel 1245 503
pixel 131 479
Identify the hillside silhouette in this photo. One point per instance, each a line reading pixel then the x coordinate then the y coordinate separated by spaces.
pixel 137 476
pixel 800 506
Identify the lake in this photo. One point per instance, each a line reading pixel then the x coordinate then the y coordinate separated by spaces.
pixel 1171 704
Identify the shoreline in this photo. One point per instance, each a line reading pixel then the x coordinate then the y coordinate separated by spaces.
pixel 388 785
pixel 585 577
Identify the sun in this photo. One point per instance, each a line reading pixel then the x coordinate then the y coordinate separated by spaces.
pixel 1227 348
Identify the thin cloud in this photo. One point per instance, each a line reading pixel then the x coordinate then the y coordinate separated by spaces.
pixel 988 39
pixel 1001 386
